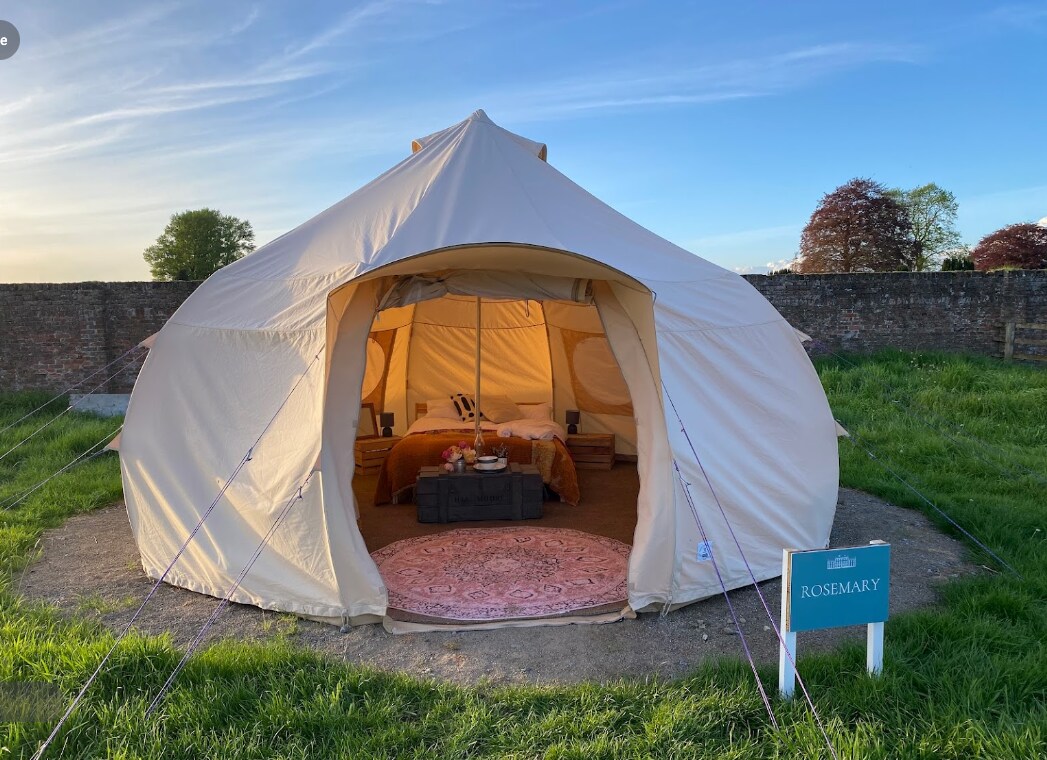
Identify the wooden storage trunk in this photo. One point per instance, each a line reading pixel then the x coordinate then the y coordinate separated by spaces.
pixel 592 451
pixel 370 453
pixel 515 494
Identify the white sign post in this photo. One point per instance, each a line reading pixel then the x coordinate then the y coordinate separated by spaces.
pixel 828 588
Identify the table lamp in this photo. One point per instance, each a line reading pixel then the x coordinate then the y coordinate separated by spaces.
pixel 573 418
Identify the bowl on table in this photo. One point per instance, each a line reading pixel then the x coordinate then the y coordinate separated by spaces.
pixel 488 464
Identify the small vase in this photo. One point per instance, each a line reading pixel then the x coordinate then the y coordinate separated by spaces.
pixel 459 465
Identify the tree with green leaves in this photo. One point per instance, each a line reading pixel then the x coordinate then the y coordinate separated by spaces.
pixel 932 213
pixel 196 244
pixel 957 260
pixel 857 227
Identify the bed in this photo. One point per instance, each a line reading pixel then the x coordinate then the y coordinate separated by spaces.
pixel 427 438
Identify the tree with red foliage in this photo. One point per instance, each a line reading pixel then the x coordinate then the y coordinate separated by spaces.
pixel 858 227
pixel 1022 246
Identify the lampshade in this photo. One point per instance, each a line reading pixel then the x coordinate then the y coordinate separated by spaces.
pixel 386 419
pixel 573 416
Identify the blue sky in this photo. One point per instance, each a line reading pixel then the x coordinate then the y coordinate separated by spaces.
pixel 717 125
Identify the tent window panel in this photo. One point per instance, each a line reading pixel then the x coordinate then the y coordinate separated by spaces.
pixel 596 378
pixel 379 349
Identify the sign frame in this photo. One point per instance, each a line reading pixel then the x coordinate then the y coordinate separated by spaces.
pixel 874 617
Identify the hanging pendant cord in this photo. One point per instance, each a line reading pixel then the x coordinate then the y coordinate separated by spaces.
pixel 478 440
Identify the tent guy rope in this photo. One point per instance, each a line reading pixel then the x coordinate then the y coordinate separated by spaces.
pixel 57 417
pixel 68 390
pixel 863 445
pixel 213 618
pixel 756 585
pixel 727 598
pixel 19 498
pixel 181 550
pixel 890 390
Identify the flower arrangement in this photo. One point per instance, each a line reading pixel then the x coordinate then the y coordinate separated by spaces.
pixel 460 451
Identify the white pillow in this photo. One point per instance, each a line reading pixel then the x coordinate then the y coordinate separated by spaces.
pixel 499 409
pixel 543 411
pixel 441 407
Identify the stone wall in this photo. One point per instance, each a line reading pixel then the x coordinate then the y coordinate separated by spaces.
pixel 55 335
pixel 950 311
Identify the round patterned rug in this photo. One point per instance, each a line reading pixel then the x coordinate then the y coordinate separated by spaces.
pixel 503 573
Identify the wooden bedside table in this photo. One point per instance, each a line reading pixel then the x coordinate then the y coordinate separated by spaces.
pixel 369 453
pixel 591 451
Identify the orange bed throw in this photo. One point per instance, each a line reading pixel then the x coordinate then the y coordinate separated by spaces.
pixel 421 449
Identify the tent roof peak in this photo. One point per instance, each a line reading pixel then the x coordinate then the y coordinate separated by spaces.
pixel 479 117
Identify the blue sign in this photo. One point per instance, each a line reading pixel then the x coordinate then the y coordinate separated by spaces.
pixel 829 588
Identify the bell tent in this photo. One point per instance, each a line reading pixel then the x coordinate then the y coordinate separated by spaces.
pixel 256 382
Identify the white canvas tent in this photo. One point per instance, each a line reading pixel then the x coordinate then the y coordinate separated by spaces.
pixel 583 308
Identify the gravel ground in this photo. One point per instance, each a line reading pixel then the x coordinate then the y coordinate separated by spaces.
pixel 90 567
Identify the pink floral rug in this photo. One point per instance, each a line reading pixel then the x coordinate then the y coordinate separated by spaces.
pixel 503 573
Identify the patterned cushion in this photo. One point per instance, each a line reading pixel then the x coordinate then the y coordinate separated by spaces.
pixel 465 406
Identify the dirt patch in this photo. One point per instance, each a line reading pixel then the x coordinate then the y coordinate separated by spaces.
pixel 90 567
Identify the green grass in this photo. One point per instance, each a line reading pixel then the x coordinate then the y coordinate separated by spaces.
pixel 966 679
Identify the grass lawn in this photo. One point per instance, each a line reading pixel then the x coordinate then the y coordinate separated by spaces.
pixel 968 679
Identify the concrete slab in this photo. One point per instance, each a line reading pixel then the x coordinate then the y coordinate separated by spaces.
pixel 102 404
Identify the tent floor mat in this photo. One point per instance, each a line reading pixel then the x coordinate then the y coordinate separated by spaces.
pixel 400 621
pixel 406 616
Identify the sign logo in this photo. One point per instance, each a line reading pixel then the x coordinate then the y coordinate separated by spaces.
pixel 842 562
pixel 9 40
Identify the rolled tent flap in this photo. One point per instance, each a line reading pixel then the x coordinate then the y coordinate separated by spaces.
pixel 490 284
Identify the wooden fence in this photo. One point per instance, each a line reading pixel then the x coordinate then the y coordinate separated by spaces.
pixel 1025 341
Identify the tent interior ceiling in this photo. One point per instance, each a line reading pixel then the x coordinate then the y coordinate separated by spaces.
pixel 532 350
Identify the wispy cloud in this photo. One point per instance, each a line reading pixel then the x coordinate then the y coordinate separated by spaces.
pixel 349 22
pixel 157 108
pixel 252 16
pixel 734 79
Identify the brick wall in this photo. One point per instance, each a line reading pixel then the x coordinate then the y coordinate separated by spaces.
pixel 951 311
pixel 54 335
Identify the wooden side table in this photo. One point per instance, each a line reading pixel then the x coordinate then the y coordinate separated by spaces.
pixel 370 453
pixel 591 451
